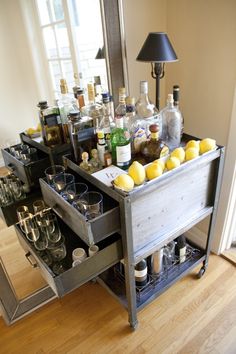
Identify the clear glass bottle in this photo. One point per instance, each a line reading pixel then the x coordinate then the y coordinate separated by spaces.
pixel 130 111
pixel 106 123
pixel 66 104
pixel 176 94
pixel 146 114
pixel 120 137
pixel 50 121
pixel 93 109
pixel 172 124
pixel 153 148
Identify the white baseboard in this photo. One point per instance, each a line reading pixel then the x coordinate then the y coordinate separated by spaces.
pixel 1 162
pixel 197 236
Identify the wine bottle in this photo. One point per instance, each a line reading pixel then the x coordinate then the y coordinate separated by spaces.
pixel 180 248
pixel 140 273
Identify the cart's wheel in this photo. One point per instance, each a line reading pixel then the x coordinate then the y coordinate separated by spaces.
pixel 134 326
pixel 201 272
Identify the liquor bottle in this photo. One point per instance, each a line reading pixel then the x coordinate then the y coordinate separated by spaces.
pixel 130 111
pixel 180 248
pixel 147 114
pixel 66 104
pixel 98 89
pixel 120 137
pixel 153 148
pixel 93 109
pixel 107 157
pixel 101 144
pixel 140 273
pixel 51 126
pixel 172 124
pixel 106 123
pixel 80 98
pixel 176 91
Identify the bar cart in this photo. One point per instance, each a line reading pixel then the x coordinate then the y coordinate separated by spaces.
pixel 133 226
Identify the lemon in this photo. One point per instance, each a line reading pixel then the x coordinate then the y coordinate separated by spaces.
pixel 207 144
pixel 192 144
pixel 137 172
pixel 191 153
pixel 153 170
pixel 124 182
pixel 179 153
pixel 160 163
pixel 172 163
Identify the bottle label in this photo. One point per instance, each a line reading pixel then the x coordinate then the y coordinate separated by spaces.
pixel 123 155
pixel 140 273
pixel 138 137
pixel 182 254
pixel 164 151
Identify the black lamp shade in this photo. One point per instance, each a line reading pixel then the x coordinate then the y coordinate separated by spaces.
pixel 101 53
pixel 157 49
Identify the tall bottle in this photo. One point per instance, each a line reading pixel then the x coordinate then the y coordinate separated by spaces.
pixel 172 124
pixel 176 94
pixel 120 137
pixel 106 123
pixel 180 248
pixel 93 109
pixel 51 126
pixel 66 104
pixel 140 273
pixel 147 114
pixel 130 111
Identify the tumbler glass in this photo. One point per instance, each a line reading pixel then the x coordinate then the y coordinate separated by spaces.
pixel 90 204
pixel 53 171
pixel 62 180
pixel 52 228
pixel 74 190
pixel 28 155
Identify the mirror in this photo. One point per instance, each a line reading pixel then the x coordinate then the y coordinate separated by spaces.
pixel 14 305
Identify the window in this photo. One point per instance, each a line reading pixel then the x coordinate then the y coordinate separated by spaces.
pixel 72 34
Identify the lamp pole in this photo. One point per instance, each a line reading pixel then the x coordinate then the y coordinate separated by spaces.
pixel 157 74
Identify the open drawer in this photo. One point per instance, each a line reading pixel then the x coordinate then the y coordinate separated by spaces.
pixel 8 212
pixel 90 231
pixel 28 173
pixel 110 252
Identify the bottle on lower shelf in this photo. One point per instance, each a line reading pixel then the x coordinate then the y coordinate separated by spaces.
pixel 141 277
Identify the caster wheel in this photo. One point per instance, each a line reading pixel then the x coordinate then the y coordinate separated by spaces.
pixel 201 272
pixel 134 326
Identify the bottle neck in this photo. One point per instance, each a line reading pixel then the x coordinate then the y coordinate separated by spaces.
pixel 120 122
pixel 154 136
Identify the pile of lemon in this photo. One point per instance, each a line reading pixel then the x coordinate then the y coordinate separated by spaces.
pixel 138 174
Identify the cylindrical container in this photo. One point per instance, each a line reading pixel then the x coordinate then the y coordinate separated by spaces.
pixel 93 249
pixel 141 273
pixel 79 254
pixel 157 262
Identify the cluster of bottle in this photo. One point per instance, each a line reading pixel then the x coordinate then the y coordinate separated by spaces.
pixel 171 254
pixel 131 131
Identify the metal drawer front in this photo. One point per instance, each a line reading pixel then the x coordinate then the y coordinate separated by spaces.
pixel 91 231
pixel 28 173
pixel 110 253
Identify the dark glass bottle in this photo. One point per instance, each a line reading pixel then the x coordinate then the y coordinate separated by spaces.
pixel 141 273
pixel 154 148
pixel 180 248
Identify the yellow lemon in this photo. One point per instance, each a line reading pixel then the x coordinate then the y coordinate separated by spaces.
pixel 153 170
pixel 161 163
pixel 192 144
pixel 179 153
pixel 207 145
pixel 137 172
pixel 191 153
pixel 172 163
pixel 124 182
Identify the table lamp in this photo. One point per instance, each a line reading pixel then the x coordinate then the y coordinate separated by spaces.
pixel 157 49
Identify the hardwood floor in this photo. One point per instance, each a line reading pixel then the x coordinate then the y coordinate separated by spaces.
pixel 193 316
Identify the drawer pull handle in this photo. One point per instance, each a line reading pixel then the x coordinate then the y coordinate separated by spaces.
pixel 28 255
pixel 11 167
pixel 57 209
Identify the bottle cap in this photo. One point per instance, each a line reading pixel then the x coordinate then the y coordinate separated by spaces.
pixel 74 115
pixel 130 100
pixel 170 98
pixel 63 86
pixel 154 128
pixel 105 97
pixel 100 134
pixel 42 104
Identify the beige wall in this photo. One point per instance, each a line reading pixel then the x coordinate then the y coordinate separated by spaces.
pixel 140 18
pixel 18 90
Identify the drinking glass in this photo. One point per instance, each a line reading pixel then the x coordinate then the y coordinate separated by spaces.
pixel 57 249
pixel 169 254
pixel 18 149
pixel 17 189
pixel 29 227
pixel 28 155
pixel 52 228
pixel 90 204
pixel 74 190
pixel 6 196
pixel 79 254
pixel 21 212
pixel 62 180
pixel 41 243
pixel 39 207
pixel 53 171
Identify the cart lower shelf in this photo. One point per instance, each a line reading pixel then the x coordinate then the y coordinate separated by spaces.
pixel 114 281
